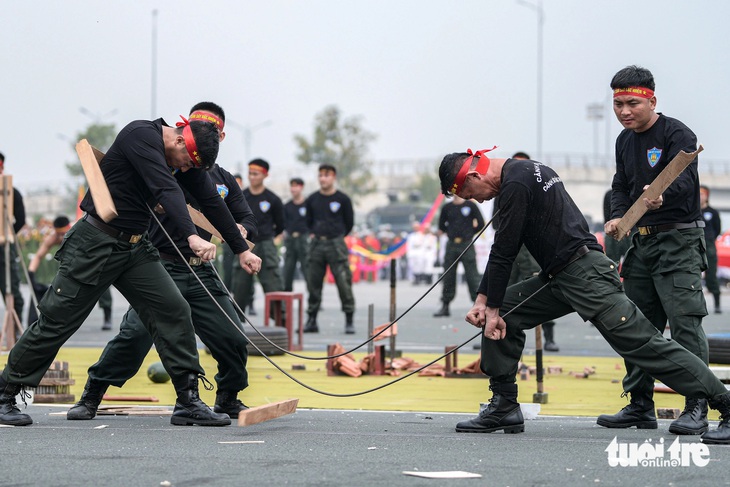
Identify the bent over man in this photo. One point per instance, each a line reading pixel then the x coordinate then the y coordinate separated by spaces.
pixel 138 167
pixel 537 211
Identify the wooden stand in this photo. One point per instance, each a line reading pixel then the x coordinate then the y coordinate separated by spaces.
pixel 55 385
pixel 11 320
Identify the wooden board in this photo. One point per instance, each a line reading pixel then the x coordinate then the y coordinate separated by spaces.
pixel 6 204
pixel 108 397
pixel 90 159
pixel 655 189
pixel 201 221
pixel 259 414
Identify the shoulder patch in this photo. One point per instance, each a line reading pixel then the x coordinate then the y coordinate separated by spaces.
pixel 222 190
pixel 653 155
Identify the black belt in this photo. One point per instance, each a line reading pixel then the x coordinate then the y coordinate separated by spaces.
pixel 295 234
pixel 111 231
pixel 458 240
pixel 652 229
pixel 577 255
pixel 324 237
pixel 193 261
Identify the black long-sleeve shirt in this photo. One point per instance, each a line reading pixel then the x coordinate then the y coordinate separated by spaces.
pixel 228 189
pixel 461 221
pixel 640 157
pixel 136 172
pixel 329 216
pixel 713 225
pixel 269 212
pixel 295 217
pixel 535 209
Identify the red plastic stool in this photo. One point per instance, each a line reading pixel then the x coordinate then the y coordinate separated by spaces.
pixel 274 301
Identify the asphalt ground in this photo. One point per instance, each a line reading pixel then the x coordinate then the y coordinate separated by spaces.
pixel 339 447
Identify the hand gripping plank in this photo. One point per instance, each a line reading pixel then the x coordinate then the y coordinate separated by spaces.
pixel 655 189
pixel 90 159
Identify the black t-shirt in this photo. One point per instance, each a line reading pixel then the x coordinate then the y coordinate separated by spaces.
pixel 713 226
pixel 228 189
pixel 329 215
pixel 269 212
pixel 295 217
pixel 640 157
pixel 537 211
pixel 460 221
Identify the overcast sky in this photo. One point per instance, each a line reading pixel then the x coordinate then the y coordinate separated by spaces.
pixel 428 77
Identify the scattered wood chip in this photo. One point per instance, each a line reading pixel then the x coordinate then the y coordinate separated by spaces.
pixel 454 474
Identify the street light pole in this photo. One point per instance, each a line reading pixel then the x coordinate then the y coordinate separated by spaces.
pixel 153 81
pixel 248 131
pixel 537 7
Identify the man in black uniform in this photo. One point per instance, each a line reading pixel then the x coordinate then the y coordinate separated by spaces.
pixel 18 223
pixel 576 276
pixel 138 167
pixel 330 218
pixel 713 229
pixel 269 213
pixel 460 220
pixel 296 233
pixel 123 356
pixel 662 270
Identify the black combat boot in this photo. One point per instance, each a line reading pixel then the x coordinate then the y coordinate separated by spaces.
pixel 89 402
pixel 503 413
pixel 549 331
pixel 9 412
pixel 349 327
pixel 107 319
pixel 189 409
pixel 693 420
pixel 228 402
pixel 721 435
pixel 311 326
pixel 639 413
pixel 444 311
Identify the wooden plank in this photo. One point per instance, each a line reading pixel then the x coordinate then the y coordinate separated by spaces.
pixel 6 203
pixel 108 397
pixel 259 414
pixel 655 189
pixel 201 221
pixel 90 159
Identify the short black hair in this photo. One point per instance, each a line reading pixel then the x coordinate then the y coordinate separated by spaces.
pixel 633 76
pixel 327 167
pixel 237 176
pixel 207 140
pixel 449 168
pixel 521 155
pixel 61 221
pixel 211 107
pixel 260 162
pixel 2 157
pixel 298 181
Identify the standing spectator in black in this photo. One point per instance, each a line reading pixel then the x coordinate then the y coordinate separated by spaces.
pixel 18 223
pixel 269 212
pixel 460 220
pixel 330 218
pixel 713 229
pixel 296 234
pixel 662 270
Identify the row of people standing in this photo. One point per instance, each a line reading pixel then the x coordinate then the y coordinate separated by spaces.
pixel 314 231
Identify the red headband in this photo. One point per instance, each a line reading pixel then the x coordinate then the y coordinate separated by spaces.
pixel 639 91
pixel 201 116
pixel 482 167
pixel 190 142
pixel 258 168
